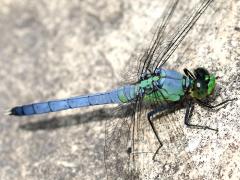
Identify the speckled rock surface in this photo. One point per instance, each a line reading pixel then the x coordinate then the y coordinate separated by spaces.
pixel 55 49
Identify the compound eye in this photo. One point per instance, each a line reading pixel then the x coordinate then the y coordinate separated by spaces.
pixel 198 85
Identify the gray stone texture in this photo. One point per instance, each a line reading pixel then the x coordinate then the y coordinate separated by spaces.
pixel 57 49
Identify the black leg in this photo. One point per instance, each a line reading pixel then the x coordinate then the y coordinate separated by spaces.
pixel 214 106
pixel 151 114
pixel 188 115
pixel 188 73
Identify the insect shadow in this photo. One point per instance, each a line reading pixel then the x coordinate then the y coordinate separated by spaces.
pixel 70 120
pixel 98 115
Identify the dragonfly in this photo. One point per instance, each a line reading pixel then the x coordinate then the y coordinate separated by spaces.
pixel 156 88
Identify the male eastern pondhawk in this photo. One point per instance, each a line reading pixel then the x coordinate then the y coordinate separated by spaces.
pixel 156 89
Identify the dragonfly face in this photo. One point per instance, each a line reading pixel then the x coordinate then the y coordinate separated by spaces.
pixel 203 84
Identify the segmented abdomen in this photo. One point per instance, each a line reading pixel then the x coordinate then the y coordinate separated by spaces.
pixel 121 95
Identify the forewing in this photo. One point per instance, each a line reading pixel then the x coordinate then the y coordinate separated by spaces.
pixel 157 40
pixel 170 34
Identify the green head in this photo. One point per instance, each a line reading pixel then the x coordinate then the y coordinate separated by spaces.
pixel 203 84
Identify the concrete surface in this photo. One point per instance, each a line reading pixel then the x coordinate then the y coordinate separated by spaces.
pixel 56 49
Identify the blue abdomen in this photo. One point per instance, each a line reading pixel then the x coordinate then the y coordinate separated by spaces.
pixel 124 94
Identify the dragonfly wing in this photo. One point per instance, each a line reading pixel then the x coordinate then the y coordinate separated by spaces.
pixel 130 142
pixel 118 144
pixel 170 34
pixel 172 156
pixel 128 139
pixel 146 58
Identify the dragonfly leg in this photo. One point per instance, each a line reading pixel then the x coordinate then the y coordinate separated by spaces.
pixel 189 74
pixel 188 115
pixel 217 105
pixel 150 115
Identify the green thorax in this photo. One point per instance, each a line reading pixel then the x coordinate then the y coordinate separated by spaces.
pixel 161 88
